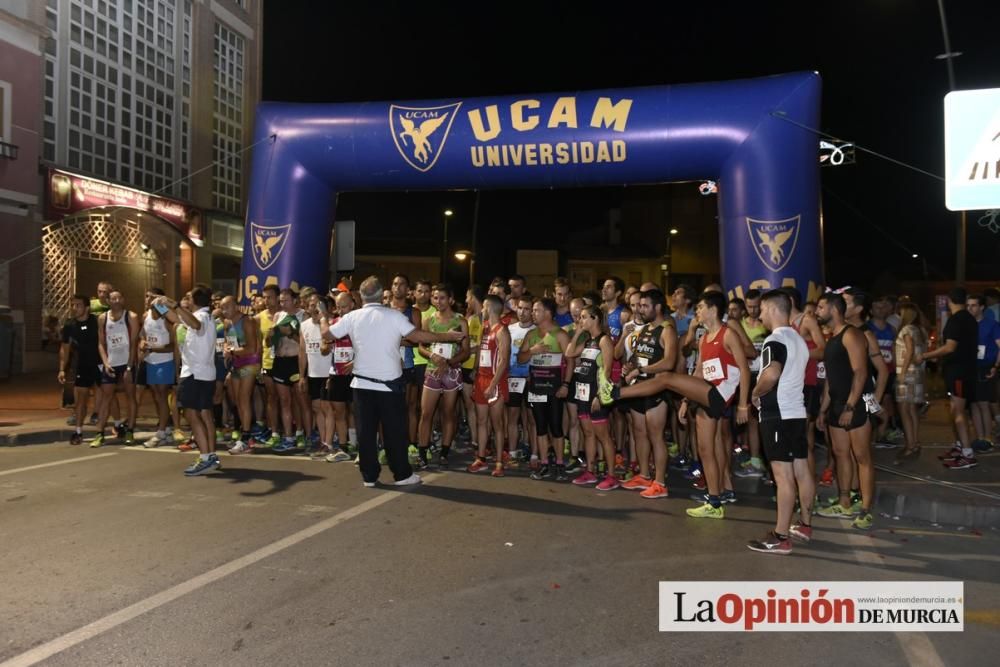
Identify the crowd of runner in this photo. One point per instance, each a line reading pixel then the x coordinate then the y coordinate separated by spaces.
pixel 606 389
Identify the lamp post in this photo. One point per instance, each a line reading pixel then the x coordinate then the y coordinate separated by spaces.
pixel 444 246
pixel 948 56
pixel 463 255
pixel 665 267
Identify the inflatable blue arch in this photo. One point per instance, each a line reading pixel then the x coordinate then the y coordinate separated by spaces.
pixel 736 133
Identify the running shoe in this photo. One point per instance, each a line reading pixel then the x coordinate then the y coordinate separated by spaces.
pixel 953 453
pixel 728 497
pixel 535 463
pixel 270 443
pixel 443 462
pixel 321 452
pixel 826 479
pixel 706 511
pixel 337 456
pixel 584 478
pixel 129 437
pixel 693 471
pixel 159 438
pixel 240 447
pixel 541 472
pixel 561 475
pixel 203 466
pixel 863 522
pixel 673 449
pixel 961 463
pixel 574 463
pixel 749 470
pixel 76 439
pixel 178 436
pixel 220 435
pixel 700 496
pixel 982 445
pixel 97 440
pixel 382 457
pixel 409 481
pixel 836 511
pixel 188 446
pixel 413 452
pixel 120 430
pixel 609 483
pixel 801 532
pixel 699 483
pixel 771 544
pixel 479 465
pixel 497 471
pixel 637 483
pixel 287 446
pixel 680 462
pixel 655 490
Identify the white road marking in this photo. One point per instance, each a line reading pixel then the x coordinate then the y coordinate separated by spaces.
pixel 918 649
pixel 57 463
pixel 151 494
pixel 113 620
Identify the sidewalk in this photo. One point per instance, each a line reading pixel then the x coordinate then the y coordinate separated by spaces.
pixel 922 489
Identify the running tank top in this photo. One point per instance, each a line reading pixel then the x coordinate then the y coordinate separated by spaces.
pixel 590 363
pixel 405 351
pixel 267 350
pixel 312 337
pixel 517 336
pixel 343 354
pixel 812 365
pixel 418 358
pixel 446 350
pixel 475 337
pixel 157 335
pixel 839 374
pixel 545 368
pixel 886 339
pixel 756 334
pixel 116 339
pixel 615 323
pixel 647 348
pixel 718 365
pixel 488 347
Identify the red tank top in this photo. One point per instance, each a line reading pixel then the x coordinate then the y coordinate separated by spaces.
pixel 718 365
pixel 488 352
pixel 343 354
pixel 811 365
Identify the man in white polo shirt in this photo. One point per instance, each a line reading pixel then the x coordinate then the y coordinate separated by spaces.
pixel 197 383
pixel 379 388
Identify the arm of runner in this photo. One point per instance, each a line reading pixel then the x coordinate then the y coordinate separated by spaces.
pixel 65 350
pixel 881 369
pixel 524 353
pixel 733 342
pixel 816 335
pixel 576 343
pixel 772 361
pixel 133 338
pixel 748 349
pixel 857 351
pixel 949 346
pixel 607 358
pixel 563 338
pixel 668 340
pixel 415 320
pixel 101 346
pixel 823 407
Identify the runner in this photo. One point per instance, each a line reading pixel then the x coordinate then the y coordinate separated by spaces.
pixel 156 346
pixel 284 339
pixel 548 385
pixel 491 389
pixel 714 386
pixel 986 372
pixel 911 344
pixel 516 283
pixel 517 382
pixel 400 302
pixel 339 382
pixel 79 339
pixel 959 352
pixel 848 399
pixel 315 363
pixel 118 343
pixel 265 322
pixel 654 351
pixel 474 319
pixel 443 380
pixel 806 325
pixel 197 377
pixel 563 294
pixel 756 331
pixel 616 315
pixel 885 337
pixel 778 395
pixel 594 353
pixel 422 304
pixel 243 352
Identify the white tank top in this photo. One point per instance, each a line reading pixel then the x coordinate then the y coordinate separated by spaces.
pixel 116 339
pixel 319 364
pixel 157 335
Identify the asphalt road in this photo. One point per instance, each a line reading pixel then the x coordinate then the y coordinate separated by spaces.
pixel 113 557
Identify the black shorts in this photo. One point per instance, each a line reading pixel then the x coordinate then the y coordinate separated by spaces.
pixel 339 389
pixel 140 376
pixel 87 375
pixel 985 388
pixel 419 371
pixel 858 419
pixel 285 371
pixel 784 439
pixel 717 407
pixel 318 389
pixel 195 394
pixel 548 417
pixel 812 394
pixel 583 411
pixel 961 387
pixel 410 375
pixel 468 376
pixel 118 374
pixel 644 403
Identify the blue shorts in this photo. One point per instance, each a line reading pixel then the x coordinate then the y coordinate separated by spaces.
pixel 164 373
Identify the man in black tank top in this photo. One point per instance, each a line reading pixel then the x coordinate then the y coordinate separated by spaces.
pixel 847 400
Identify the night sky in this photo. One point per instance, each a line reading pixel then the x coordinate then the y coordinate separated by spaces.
pixel 883 89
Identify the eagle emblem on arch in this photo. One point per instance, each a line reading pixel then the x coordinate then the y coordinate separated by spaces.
pixel 774 240
pixel 267 244
pixel 420 132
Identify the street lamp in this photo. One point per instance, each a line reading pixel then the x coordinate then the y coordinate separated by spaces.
pixel 948 56
pixel 444 245
pixel 665 267
pixel 462 255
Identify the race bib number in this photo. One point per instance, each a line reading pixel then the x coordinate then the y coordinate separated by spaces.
pixel 641 362
pixel 546 359
pixel 821 371
pixel 152 340
pixel 755 362
pixel 312 347
pixel 116 341
pixel 516 385
pixel 443 350
pixel 537 398
pixel 343 355
pixel 871 404
pixel 980 352
pixel 582 392
pixel 711 370
pixel 591 353
pixel 485 359
pixel 233 342
pixel 219 343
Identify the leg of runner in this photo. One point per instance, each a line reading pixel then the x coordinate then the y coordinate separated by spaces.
pixel 482 435
pixel 707 430
pixel 107 392
pixel 656 421
pixel 840 443
pixel 413 411
pixel 588 476
pixel 575 434
pixel 339 414
pixel 284 394
pixel 428 405
pixel 724 457
pixel 449 424
pixel 471 414
pixel 640 438
pixel 496 417
pixel 861 447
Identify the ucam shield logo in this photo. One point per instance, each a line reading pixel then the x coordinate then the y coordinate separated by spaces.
pixel 268 242
pixel 420 132
pixel 774 240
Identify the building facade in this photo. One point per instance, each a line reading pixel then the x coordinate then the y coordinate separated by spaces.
pixel 146 113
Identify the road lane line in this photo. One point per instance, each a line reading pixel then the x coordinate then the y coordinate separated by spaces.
pixel 57 463
pixel 113 620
